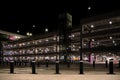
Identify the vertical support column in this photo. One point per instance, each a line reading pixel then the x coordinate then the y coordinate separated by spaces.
pixel 11 66
pixel 33 67
pixel 81 58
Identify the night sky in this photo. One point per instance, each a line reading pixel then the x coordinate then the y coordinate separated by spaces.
pixel 23 15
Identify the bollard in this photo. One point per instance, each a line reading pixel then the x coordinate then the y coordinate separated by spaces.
pixel 106 64
pixel 94 64
pixel 33 67
pixel 81 67
pixel 111 71
pixel 57 67
pixel 11 66
pixel 47 63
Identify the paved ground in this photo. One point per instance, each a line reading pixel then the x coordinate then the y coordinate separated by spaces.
pixel 57 77
pixel 43 73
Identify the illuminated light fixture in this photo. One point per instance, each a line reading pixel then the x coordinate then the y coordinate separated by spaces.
pixel 20 45
pixel 40 41
pixel 73 35
pixel 79 47
pixel 93 40
pixel 67 48
pixel 109 53
pixel 98 43
pixel 84 44
pixel 69 36
pixel 46 29
pixel 18 31
pixel 73 45
pixel 110 37
pixel 73 49
pixel 28 43
pixel 113 41
pixel 27 33
pixel 110 22
pixel 33 25
pixel 54 38
pixel 89 8
pixel 46 40
pixel 47 49
pixel 17 37
pixel 115 44
pixel 92 26
pixel 30 34
pixel 23 43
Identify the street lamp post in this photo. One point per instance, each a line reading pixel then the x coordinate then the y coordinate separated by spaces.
pixel 81 59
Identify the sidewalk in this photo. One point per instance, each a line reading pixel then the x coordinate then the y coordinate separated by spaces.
pixel 57 77
pixel 44 73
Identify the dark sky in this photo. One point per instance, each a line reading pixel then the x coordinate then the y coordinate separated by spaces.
pixel 22 15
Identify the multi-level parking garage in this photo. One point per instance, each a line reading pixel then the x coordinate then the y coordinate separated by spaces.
pixel 37 48
pixel 100 42
pixel 101 37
